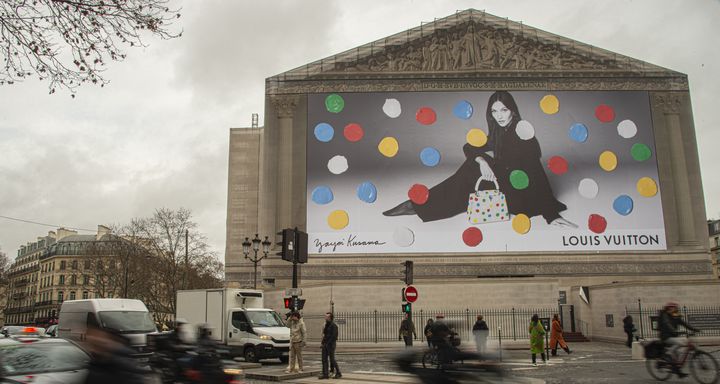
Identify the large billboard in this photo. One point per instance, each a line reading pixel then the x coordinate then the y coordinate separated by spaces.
pixel 471 172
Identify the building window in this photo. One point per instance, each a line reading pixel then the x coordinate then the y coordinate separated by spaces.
pixel 61 296
pixel 87 264
pixel 86 279
pixel 72 295
pixel 85 294
pixel 73 280
pixel 75 264
pixel 62 280
pixel 62 265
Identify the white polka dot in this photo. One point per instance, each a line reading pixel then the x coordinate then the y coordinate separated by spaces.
pixel 392 108
pixel 338 164
pixel 403 237
pixel 525 130
pixel 627 129
pixel 588 188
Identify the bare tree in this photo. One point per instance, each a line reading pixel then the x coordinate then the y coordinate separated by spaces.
pixel 68 42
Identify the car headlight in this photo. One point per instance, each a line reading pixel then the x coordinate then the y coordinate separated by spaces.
pixel 232 371
pixel 265 337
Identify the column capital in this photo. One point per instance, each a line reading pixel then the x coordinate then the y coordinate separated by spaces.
pixel 284 105
pixel 669 103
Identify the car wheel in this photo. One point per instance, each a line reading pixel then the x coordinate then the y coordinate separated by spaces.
pixel 284 359
pixel 250 355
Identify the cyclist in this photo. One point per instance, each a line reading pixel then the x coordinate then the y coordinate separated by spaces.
pixel 668 323
pixel 440 339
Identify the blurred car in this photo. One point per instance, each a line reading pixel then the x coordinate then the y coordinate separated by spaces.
pixel 29 357
pixel 51 330
pixel 14 330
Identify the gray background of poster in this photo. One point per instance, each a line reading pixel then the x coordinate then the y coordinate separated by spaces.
pixel 393 176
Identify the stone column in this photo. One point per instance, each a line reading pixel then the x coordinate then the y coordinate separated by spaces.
pixel 285 108
pixel 670 105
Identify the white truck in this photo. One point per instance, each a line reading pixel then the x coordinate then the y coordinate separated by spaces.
pixel 237 320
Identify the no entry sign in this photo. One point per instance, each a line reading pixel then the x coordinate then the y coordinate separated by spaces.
pixel 411 294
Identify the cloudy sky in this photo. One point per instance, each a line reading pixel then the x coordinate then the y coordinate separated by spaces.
pixel 157 136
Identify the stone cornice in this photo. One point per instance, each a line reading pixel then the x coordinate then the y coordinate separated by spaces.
pixel 669 103
pixel 284 105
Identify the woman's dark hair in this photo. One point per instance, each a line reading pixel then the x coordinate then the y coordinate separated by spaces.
pixel 332 317
pixel 430 321
pixel 506 98
pixel 535 318
pixel 479 317
pixel 628 319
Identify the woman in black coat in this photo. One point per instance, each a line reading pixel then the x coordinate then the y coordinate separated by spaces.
pixel 629 329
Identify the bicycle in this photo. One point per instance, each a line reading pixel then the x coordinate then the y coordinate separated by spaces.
pixel 659 363
pixel 431 357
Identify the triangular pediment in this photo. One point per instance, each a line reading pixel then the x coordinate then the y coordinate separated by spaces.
pixel 472 42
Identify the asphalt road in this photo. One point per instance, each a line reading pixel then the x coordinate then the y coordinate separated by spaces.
pixel 592 362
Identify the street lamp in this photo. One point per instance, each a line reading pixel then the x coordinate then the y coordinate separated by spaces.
pixel 255 244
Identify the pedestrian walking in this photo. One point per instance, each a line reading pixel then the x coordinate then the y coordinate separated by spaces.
pixel 297 342
pixel 407 330
pixel 629 328
pixel 428 332
pixel 328 344
pixel 481 332
pixel 556 336
pixel 537 339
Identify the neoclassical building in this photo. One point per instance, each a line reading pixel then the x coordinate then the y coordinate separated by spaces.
pixel 375 152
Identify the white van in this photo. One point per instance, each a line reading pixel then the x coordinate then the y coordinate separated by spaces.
pixel 128 317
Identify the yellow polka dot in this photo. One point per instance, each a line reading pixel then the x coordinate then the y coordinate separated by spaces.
pixel 550 104
pixel 388 146
pixel 521 223
pixel 476 137
pixel 608 161
pixel 647 187
pixel 338 219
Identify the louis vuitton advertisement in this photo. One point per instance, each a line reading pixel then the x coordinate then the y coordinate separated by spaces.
pixel 470 172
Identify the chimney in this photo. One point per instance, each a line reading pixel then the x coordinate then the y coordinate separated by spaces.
pixel 102 231
pixel 51 234
pixel 62 233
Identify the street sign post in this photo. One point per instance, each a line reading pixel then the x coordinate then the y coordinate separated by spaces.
pixel 411 294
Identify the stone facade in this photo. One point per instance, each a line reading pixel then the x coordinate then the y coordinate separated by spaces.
pixel 476 51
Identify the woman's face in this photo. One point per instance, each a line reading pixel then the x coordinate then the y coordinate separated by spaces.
pixel 501 113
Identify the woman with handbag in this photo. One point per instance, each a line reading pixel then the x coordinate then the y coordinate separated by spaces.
pixel 297 342
pixel 492 166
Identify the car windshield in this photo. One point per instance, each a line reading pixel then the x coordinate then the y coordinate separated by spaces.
pixel 26 358
pixel 265 319
pixel 127 321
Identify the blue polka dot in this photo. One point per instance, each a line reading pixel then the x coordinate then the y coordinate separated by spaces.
pixel 322 195
pixel 367 192
pixel 324 132
pixel 623 205
pixel 430 156
pixel 578 132
pixel 463 110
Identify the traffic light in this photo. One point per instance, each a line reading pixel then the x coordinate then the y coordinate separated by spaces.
pixel 407 308
pixel 301 246
pixel 287 244
pixel 295 303
pixel 408 272
pixel 287 302
pixel 299 303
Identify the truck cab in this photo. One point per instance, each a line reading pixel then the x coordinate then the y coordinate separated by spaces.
pixel 260 332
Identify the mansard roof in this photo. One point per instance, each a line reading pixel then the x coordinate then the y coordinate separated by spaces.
pixel 470 44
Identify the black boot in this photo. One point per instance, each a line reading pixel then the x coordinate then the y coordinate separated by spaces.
pixel 553 352
pixel 404 208
pixel 567 350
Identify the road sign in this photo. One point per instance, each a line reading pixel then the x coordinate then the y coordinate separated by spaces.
pixel 411 294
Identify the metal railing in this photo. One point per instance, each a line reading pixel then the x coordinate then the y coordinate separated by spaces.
pixel 383 326
pixel 705 318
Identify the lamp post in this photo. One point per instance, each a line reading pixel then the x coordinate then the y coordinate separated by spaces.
pixel 254 245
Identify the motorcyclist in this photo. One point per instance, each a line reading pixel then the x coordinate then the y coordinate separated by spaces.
pixel 111 358
pixel 668 323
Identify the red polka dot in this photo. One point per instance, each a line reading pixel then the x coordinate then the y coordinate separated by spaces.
pixel 558 165
pixel 419 194
pixel 472 237
pixel 425 116
pixel 605 113
pixel 353 132
pixel 597 223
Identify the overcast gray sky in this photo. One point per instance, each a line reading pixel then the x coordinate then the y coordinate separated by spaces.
pixel 157 136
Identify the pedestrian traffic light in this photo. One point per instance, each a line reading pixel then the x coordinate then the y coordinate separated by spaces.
pixel 408 272
pixel 286 244
pixel 407 308
pixel 287 302
pixel 299 303
pixel 301 246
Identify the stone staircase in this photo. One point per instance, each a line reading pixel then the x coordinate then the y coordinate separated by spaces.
pixel 575 337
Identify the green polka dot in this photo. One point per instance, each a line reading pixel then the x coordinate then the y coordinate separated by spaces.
pixel 640 152
pixel 334 103
pixel 519 179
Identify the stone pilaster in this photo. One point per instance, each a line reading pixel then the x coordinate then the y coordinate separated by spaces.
pixel 671 104
pixel 285 108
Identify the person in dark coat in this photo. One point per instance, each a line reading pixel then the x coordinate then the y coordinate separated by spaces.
pixel 668 323
pixel 480 331
pixel 629 328
pixel 504 153
pixel 441 339
pixel 328 344
pixel 407 330
pixel 428 332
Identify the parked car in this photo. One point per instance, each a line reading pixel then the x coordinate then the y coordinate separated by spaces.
pixel 14 330
pixel 51 330
pixel 46 360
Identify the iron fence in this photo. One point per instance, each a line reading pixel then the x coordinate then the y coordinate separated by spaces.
pixel 704 318
pixel 383 326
